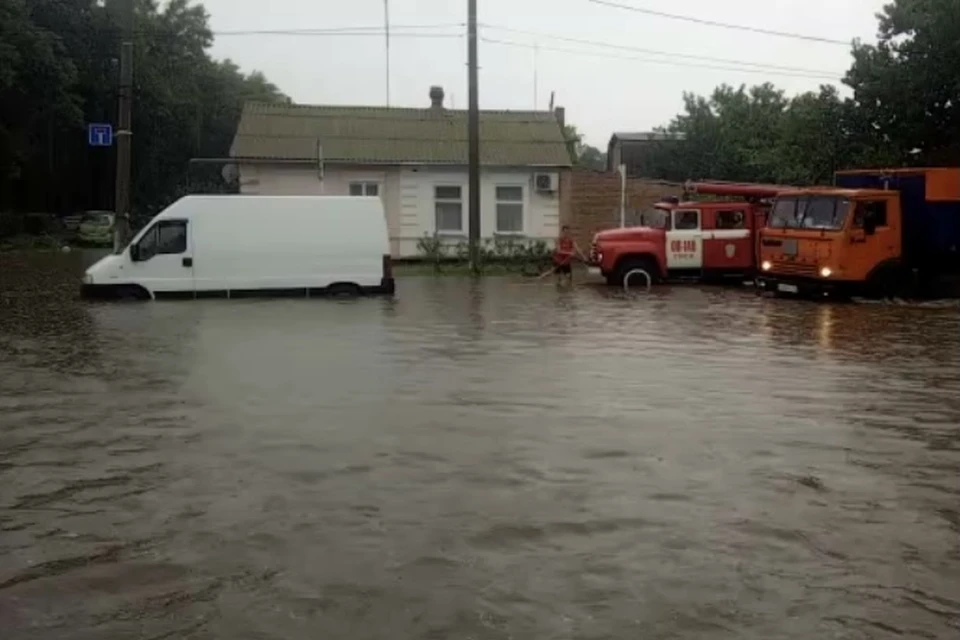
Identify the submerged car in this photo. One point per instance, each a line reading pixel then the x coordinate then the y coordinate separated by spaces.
pixel 96 228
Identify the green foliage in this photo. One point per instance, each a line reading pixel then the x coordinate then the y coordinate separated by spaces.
pixel 508 253
pixel 907 87
pixel 905 110
pixel 753 135
pixel 583 155
pixel 59 71
pixel 432 249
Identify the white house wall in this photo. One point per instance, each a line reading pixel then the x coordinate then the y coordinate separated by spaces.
pixel 408 196
pixel 541 212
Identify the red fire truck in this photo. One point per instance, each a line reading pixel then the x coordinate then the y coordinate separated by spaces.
pixel 690 239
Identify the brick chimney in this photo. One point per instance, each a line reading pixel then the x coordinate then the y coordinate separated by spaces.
pixel 436 97
pixel 561 114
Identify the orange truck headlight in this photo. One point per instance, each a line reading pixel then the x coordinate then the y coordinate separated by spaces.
pixel 766 265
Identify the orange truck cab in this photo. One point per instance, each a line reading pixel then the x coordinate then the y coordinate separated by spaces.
pixel 875 233
pixel 701 239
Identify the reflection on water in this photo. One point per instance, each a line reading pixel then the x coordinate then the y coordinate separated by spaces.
pixel 476 459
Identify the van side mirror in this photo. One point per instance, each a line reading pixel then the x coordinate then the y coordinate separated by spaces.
pixel 135 252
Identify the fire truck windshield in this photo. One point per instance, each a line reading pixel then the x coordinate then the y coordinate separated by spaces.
pixel 809 212
pixel 655 218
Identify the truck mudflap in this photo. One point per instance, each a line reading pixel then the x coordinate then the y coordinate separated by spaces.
pixel 806 287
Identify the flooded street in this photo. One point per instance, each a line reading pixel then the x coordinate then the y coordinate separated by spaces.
pixel 490 459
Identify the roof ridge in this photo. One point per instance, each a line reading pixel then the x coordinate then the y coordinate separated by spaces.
pixel 382 108
pixel 486 139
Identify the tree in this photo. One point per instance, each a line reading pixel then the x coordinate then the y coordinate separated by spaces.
pixel 907 87
pixel 758 135
pixel 905 110
pixel 38 98
pixel 731 135
pixel 583 155
pixel 592 158
pixel 812 140
pixel 59 71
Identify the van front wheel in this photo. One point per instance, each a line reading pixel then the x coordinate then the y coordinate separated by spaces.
pixel 128 293
pixel 344 290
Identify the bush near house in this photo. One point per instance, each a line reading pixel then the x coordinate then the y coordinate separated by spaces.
pixel 506 253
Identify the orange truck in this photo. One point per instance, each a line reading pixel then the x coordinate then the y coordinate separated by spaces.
pixel 877 233
pixel 692 239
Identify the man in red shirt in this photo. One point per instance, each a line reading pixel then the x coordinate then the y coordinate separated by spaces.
pixel 563 254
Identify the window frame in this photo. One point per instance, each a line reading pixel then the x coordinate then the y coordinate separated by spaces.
pixel 154 230
pixel 437 201
pixel 678 212
pixel 886 209
pixel 720 212
pixel 522 203
pixel 364 188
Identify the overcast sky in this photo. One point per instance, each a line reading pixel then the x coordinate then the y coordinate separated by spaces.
pixel 604 88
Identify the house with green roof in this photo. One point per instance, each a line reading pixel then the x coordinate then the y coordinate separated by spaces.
pixel 415 160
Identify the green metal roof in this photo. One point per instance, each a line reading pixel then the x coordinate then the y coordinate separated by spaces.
pixel 384 135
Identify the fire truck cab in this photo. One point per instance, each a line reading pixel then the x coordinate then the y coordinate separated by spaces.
pixel 709 240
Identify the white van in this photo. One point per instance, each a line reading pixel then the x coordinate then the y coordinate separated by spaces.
pixel 235 246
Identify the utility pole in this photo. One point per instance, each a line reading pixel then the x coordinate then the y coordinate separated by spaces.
pixel 536 55
pixel 121 223
pixel 473 133
pixel 386 29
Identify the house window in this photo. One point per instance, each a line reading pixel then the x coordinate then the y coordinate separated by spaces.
pixel 509 209
pixel 364 189
pixel 448 205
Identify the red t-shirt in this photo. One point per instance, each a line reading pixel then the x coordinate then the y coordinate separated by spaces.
pixel 564 251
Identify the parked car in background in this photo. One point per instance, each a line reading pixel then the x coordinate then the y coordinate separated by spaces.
pixel 96 228
pixel 71 223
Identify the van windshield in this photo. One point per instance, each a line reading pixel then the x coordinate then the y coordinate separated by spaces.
pixel 809 212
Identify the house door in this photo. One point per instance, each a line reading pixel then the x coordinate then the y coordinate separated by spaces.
pixel 728 244
pixel 685 241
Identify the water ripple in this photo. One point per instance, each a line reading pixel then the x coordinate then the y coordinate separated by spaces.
pixel 485 459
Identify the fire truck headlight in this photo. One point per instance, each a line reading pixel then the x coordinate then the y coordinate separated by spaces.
pixel 766 265
pixel 826 272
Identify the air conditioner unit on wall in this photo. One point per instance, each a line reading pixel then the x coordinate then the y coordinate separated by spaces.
pixel 546 182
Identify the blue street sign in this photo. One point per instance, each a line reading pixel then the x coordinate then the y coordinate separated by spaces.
pixel 99 135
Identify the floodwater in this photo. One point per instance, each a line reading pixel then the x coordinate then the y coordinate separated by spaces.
pixel 492 459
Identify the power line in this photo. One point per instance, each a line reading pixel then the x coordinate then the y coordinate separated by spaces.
pixel 310 33
pixel 658 52
pixel 356 30
pixel 723 25
pixel 815 76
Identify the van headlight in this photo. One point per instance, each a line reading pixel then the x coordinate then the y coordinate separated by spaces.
pixel 87 278
pixel 826 272
pixel 766 265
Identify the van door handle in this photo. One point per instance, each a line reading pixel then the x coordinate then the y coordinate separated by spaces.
pixel 187 262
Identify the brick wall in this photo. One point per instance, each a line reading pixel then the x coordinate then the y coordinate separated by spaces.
pixel 595 201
